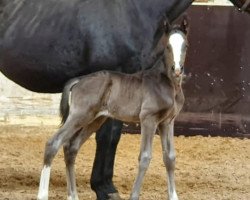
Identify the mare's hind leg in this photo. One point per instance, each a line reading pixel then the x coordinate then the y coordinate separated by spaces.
pixel 71 149
pixel 107 139
pixel 167 140
pixel 148 128
pixel 63 135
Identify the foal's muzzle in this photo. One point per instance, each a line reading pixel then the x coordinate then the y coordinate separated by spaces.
pixel 178 71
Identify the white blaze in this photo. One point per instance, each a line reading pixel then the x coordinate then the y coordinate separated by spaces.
pixel 176 41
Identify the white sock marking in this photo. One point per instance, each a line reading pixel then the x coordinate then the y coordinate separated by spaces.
pixel 44 184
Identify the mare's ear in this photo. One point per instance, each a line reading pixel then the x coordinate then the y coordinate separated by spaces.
pixel 184 24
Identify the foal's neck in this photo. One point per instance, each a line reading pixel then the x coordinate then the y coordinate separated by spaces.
pixel 177 82
pixel 160 67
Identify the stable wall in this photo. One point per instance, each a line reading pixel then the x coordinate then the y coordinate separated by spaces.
pixel 218 92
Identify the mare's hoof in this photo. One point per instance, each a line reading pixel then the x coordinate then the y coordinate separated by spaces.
pixel 114 196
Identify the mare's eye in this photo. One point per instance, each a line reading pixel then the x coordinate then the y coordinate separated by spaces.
pixel 173 67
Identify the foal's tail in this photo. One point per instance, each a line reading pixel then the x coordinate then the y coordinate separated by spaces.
pixel 64 104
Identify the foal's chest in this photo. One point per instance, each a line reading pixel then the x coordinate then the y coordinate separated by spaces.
pixel 169 113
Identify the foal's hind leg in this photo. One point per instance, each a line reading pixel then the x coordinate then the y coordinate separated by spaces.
pixel 71 149
pixel 70 152
pixel 52 147
pixel 167 140
pixel 148 128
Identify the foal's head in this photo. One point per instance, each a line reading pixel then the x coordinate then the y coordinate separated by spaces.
pixel 176 47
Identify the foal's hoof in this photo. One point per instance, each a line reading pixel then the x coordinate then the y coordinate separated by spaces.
pixel 114 196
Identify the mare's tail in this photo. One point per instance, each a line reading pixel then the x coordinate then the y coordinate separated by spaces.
pixel 64 104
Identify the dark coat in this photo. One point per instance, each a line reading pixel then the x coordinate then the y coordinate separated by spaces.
pixel 44 43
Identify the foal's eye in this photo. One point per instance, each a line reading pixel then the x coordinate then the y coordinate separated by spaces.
pixel 173 68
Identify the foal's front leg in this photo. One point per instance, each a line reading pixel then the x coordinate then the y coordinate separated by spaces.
pixel 167 140
pixel 148 128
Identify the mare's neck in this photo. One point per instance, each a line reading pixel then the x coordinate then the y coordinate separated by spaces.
pixel 153 11
pixel 157 9
pixel 179 8
pixel 237 3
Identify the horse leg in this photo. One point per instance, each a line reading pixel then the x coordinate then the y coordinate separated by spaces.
pixel 167 140
pixel 51 148
pixel 147 133
pixel 110 159
pixel 70 152
pixel 107 138
pixel 71 149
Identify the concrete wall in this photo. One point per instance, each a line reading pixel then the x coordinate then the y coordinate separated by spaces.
pixel 20 106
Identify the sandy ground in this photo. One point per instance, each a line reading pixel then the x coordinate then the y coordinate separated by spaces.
pixel 206 168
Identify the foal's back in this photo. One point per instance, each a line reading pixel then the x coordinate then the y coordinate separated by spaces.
pixel 107 93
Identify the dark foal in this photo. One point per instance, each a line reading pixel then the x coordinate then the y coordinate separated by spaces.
pixel 152 97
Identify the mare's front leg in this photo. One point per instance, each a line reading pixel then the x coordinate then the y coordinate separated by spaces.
pixel 148 128
pixel 107 138
pixel 167 140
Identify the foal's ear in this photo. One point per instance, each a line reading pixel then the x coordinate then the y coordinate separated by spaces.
pixel 185 25
pixel 167 25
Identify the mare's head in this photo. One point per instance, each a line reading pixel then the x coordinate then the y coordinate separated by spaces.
pixel 176 48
